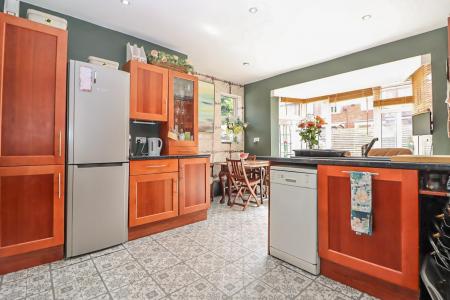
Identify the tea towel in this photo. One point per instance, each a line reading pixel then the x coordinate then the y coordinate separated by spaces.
pixel 361 202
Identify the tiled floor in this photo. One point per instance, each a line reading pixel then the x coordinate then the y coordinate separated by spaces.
pixel 221 258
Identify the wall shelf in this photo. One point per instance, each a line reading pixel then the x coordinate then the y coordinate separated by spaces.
pixel 434 193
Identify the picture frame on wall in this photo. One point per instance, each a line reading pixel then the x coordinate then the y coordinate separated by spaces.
pixel 206 94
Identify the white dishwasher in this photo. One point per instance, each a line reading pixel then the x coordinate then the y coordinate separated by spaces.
pixel 293 216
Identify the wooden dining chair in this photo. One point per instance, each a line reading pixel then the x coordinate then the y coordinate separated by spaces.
pixel 242 183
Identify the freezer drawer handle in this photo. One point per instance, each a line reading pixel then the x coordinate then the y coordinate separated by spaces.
pixel 59 185
pixel 97 165
pixel 349 172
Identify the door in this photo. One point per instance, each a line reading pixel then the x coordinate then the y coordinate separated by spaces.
pixel 183 114
pixel 31 208
pixel 98 114
pixel 149 86
pixel 194 185
pixel 97 207
pixel 32 93
pixel 395 219
pixel 153 197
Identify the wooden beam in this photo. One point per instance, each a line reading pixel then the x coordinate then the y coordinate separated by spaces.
pixel 393 101
pixel 332 98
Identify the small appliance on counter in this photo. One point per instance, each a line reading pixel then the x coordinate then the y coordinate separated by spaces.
pixel 47 19
pixel 154 146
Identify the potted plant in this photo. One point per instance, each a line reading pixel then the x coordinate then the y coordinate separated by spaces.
pixel 310 129
pixel 171 61
pixel 234 128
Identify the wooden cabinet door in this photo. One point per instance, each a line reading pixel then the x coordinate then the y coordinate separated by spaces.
pixel 194 185
pixel 33 59
pixel 391 253
pixel 183 114
pixel 149 84
pixel 153 197
pixel 31 208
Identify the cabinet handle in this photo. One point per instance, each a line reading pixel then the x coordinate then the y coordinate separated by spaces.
pixel 156 166
pixel 372 174
pixel 59 185
pixel 136 200
pixel 60 143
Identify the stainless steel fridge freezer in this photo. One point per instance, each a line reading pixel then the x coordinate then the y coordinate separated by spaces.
pixel 97 174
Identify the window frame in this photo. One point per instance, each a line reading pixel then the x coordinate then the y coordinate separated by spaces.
pixel 235 114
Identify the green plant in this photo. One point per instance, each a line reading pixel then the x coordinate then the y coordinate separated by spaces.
pixel 166 58
pixel 310 129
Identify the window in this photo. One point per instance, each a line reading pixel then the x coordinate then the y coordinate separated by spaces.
pixel 228 110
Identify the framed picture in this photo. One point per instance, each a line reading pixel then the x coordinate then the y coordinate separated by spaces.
pixel 206 95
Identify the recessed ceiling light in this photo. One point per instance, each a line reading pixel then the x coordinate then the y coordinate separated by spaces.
pixel 253 10
pixel 366 17
pixel 125 2
pixel 246 64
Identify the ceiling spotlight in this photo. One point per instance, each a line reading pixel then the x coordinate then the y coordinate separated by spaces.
pixel 125 2
pixel 366 17
pixel 253 10
pixel 246 64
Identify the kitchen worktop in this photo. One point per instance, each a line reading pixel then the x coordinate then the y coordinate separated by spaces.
pixel 375 162
pixel 145 157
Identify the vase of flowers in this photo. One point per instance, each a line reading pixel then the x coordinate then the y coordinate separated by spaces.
pixel 310 130
pixel 234 128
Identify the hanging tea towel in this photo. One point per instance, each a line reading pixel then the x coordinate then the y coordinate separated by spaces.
pixel 361 202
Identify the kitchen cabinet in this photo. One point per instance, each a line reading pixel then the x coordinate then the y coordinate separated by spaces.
pixel 153 191
pixel 148 91
pixel 31 208
pixel 33 60
pixel 194 192
pixel 182 115
pixel 385 264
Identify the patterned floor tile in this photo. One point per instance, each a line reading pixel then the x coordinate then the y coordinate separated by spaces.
pixel 175 277
pixel 39 283
pixel 339 287
pixel 230 279
pixel 368 297
pixel 138 242
pixel 47 295
pixel 198 290
pixel 258 264
pixel 206 263
pixel 82 288
pixel 231 251
pixel 155 258
pixel 23 274
pixel 123 276
pixel 142 289
pixel 112 260
pixel 298 270
pixel 107 251
pixel 63 276
pixel 68 262
pixel 185 250
pixel 13 290
pixel 286 280
pixel 316 291
pixel 259 290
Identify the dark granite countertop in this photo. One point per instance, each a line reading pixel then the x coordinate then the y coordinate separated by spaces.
pixel 144 157
pixel 374 162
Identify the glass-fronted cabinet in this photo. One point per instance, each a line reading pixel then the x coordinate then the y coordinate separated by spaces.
pixel 181 132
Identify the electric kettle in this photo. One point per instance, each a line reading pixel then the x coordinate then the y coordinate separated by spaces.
pixel 154 146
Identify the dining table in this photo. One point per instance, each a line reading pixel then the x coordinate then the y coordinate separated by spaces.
pixel 258 165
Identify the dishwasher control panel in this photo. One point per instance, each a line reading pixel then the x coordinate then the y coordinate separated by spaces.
pixel 295 177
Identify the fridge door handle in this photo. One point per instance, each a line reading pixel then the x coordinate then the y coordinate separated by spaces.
pixel 99 165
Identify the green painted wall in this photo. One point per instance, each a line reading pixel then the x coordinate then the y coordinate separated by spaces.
pixel 87 39
pixel 262 115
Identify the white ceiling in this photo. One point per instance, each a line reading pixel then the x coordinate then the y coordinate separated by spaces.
pixel 218 36
pixel 380 75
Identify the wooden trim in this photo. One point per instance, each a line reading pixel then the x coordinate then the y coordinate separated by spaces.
pixel 134 220
pixel 30 259
pixel 58 172
pixel 408 277
pixel 333 97
pixel 182 184
pixel 145 167
pixel 393 101
pixel 156 227
pixel 363 282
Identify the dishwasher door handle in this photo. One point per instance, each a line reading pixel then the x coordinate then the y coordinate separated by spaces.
pixel 290 180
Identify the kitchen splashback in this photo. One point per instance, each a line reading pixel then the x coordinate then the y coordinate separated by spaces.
pixel 142 130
